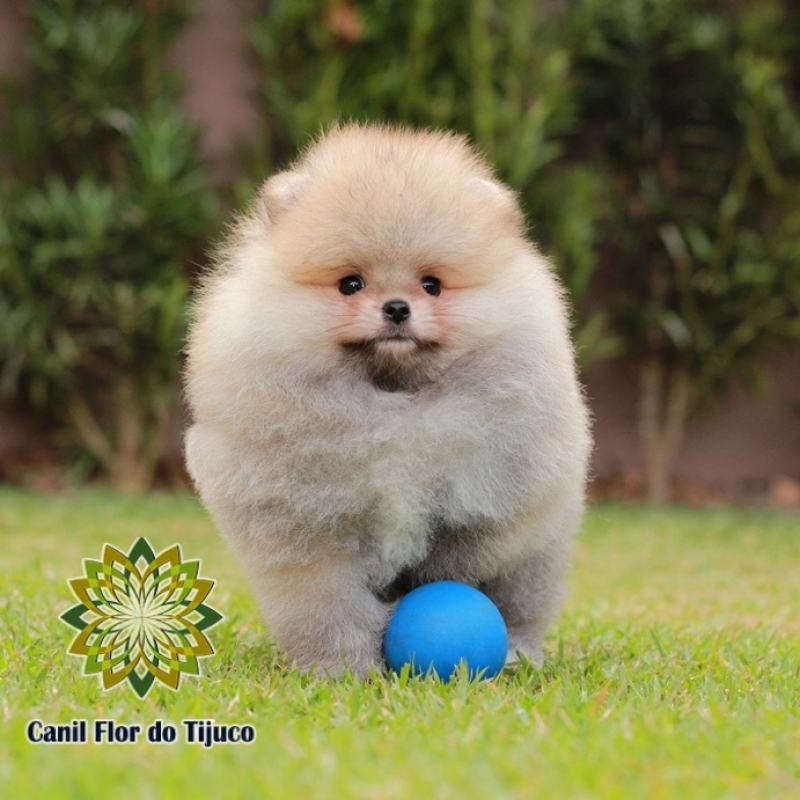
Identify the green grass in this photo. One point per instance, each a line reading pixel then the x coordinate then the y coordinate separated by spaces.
pixel 674 672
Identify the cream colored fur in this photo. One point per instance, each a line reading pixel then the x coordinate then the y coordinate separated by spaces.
pixel 346 458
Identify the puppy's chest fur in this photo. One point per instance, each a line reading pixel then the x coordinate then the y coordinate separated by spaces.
pixel 425 485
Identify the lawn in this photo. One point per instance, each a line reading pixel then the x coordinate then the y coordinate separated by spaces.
pixel 674 672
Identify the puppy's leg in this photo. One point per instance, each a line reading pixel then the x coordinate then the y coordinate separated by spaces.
pixel 323 615
pixel 529 597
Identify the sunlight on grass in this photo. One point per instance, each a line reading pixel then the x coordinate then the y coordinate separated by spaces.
pixel 673 672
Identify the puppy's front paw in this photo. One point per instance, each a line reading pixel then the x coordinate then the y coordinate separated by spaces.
pixel 327 641
pixel 525 647
pixel 339 667
pixel 360 655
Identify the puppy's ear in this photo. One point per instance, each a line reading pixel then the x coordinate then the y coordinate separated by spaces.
pixel 501 197
pixel 281 192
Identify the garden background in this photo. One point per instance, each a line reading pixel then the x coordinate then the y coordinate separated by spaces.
pixel 655 145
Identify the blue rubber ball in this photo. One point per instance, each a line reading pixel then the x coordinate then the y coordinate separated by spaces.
pixel 440 624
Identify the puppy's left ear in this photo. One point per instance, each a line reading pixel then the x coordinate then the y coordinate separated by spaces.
pixel 501 197
pixel 281 192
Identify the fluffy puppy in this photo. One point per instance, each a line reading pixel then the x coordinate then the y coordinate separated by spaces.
pixel 384 395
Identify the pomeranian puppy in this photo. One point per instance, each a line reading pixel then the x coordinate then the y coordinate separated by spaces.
pixel 384 395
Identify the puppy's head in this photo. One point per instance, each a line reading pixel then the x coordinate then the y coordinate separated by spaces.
pixel 398 244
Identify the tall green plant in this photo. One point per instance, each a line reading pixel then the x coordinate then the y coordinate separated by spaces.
pixel 496 71
pixel 685 106
pixel 102 203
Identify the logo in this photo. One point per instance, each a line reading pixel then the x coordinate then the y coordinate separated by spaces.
pixel 141 617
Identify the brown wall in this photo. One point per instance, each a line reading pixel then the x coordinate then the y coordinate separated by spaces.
pixel 748 440
pixel 10 34
pixel 211 54
pixel 751 439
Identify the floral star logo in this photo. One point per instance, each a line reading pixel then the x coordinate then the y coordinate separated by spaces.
pixel 141 617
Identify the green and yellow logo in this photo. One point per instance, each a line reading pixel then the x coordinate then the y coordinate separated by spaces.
pixel 141 617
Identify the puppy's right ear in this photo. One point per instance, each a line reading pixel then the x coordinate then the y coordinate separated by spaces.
pixel 281 192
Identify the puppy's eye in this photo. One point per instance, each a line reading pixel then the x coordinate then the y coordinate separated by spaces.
pixel 351 284
pixel 432 285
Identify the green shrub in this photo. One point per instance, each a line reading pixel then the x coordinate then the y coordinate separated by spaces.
pixel 102 203
pixel 687 110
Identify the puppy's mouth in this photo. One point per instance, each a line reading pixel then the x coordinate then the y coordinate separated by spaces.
pixel 396 340
pixel 393 361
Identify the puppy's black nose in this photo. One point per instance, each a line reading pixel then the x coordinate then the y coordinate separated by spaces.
pixel 398 311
